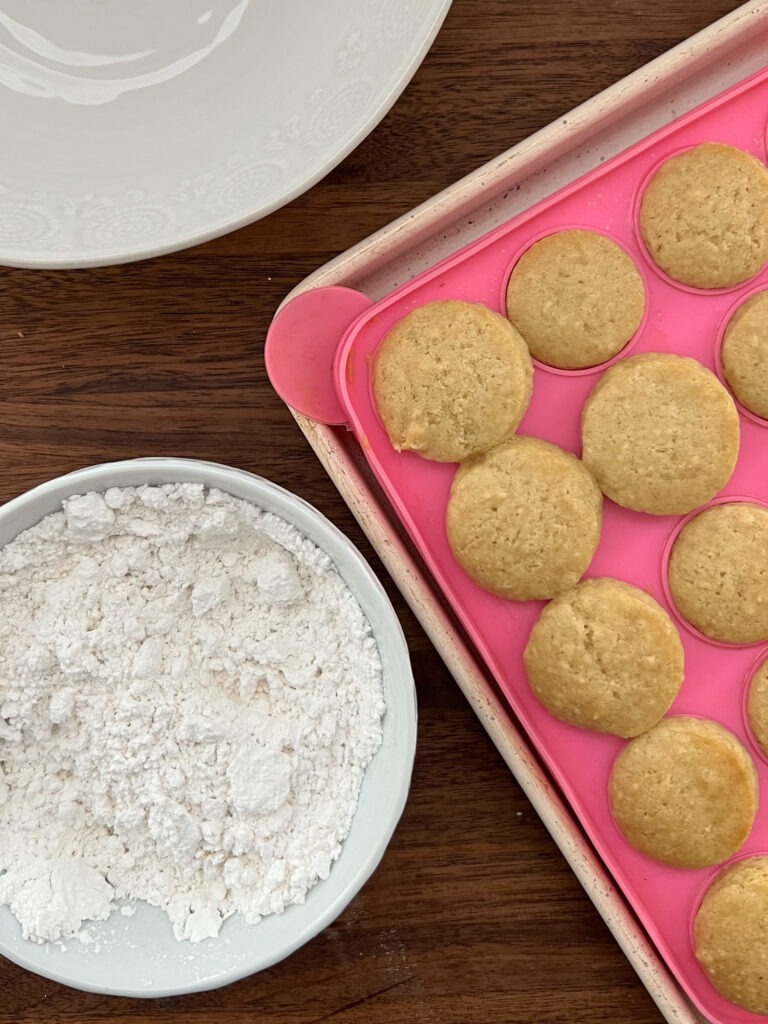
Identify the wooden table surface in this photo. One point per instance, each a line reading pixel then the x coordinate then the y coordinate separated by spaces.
pixel 473 917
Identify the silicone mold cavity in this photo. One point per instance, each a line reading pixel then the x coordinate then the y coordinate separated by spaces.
pixel 628 346
pixel 744 296
pixel 758 151
pixel 724 499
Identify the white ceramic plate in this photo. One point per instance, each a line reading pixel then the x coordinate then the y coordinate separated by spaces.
pixel 135 127
pixel 138 956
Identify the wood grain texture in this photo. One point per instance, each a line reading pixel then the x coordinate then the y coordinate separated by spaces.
pixel 473 915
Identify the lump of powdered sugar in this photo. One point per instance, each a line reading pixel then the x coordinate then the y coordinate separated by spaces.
pixel 190 698
pixel 89 518
pixel 276 576
pixel 52 897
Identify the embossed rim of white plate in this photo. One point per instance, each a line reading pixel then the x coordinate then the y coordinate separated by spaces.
pixel 139 955
pixel 79 190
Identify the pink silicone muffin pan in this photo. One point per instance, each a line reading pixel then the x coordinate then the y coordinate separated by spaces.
pixel 348 329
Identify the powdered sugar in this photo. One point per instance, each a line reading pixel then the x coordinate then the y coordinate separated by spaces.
pixel 190 696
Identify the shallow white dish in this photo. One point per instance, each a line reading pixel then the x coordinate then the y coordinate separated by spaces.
pixel 132 128
pixel 138 956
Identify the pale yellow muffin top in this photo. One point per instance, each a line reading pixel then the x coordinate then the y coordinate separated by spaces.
pixel 718 572
pixel 704 216
pixel 745 354
pixel 685 793
pixel 576 297
pixel 605 656
pixel 729 933
pixel 524 519
pixel 451 379
pixel 660 433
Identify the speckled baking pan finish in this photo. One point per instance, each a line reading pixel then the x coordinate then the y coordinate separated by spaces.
pixel 634 546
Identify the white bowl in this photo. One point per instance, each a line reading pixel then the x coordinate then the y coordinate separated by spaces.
pixel 138 956
pixel 135 127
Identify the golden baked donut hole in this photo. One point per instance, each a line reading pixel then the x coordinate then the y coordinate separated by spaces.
pixel 576 297
pixel 451 379
pixel 524 519
pixel 704 216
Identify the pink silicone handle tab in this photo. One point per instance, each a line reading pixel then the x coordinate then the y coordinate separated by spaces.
pixel 301 346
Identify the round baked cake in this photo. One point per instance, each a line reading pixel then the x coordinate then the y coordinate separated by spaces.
pixel 685 793
pixel 718 572
pixel 451 379
pixel 660 433
pixel 745 354
pixel 524 519
pixel 757 706
pixel 576 297
pixel 605 656
pixel 704 216
pixel 729 933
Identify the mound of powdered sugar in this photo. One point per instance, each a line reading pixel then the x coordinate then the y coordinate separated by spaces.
pixel 189 697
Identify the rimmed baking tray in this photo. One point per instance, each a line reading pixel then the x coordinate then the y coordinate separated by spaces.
pixel 680 80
